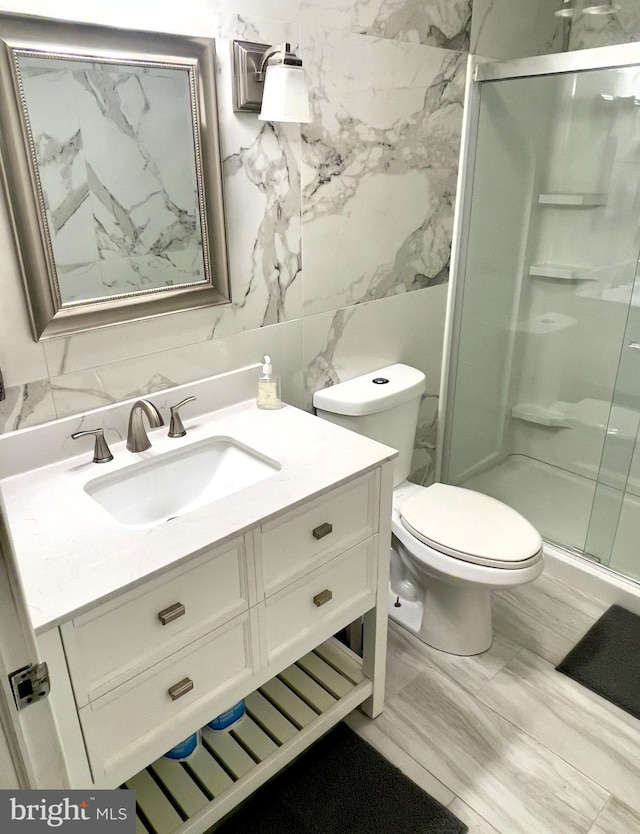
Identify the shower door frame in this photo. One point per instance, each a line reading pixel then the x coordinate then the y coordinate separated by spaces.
pixel 480 70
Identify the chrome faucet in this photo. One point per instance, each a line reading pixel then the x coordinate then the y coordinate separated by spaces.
pixel 137 440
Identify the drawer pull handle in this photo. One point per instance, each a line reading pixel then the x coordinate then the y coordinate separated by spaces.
pixel 322 530
pixel 181 688
pixel 168 615
pixel 322 597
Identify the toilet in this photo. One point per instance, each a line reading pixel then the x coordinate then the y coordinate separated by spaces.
pixel 450 546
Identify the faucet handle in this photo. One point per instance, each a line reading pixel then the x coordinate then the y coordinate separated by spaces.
pixel 176 429
pixel 101 451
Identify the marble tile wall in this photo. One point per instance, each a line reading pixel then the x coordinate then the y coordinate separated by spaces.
pixel 588 31
pixel 517 28
pixel 365 193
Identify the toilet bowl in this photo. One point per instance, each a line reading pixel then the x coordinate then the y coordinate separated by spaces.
pixel 450 546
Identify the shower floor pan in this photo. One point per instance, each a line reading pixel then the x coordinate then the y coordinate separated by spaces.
pixel 559 503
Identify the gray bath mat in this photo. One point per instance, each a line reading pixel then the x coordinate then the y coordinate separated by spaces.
pixel 607 659
pixel 341 786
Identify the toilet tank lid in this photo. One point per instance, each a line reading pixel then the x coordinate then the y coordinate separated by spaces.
pixel 372 392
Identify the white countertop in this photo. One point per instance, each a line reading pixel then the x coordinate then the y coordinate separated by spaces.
pixel 71 554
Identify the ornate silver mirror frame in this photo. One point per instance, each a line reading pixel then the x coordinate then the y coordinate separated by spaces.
pixel 96 245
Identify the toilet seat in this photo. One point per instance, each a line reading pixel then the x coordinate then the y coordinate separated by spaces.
pixel 470 526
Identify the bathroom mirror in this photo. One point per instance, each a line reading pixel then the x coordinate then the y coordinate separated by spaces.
pixel 110 159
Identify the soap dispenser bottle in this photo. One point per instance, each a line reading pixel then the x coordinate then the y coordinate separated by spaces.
pixel 268 387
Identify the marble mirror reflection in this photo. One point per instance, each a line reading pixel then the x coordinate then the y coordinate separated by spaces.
pixel 111 165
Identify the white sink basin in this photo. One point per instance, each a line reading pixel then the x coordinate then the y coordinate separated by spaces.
pixel 153 491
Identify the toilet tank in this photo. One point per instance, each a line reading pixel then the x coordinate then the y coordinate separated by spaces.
pixel 382 405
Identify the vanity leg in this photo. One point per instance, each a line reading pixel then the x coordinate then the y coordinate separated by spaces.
pixel 374 632
pixel 374 657
pixel 354 636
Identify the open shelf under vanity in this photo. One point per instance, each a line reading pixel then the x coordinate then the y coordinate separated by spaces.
pixel 282 718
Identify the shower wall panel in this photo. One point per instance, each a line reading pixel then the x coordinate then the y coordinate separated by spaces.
pixel 582 247
pixel 510 137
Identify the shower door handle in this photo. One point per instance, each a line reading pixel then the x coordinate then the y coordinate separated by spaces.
pixel 634 345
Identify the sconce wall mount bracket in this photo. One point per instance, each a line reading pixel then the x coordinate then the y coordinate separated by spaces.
pixel 248 75
pixel 270 81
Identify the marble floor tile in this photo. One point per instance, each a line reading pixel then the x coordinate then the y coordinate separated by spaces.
pixel 508 778
pixel 616 818
pixel 388 748
pixel 545 616
pixel 408 656
pixel 593 735
pixel 405 661
pixel 474 822
pixel 507 743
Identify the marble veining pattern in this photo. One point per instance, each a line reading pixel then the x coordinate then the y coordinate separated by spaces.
pixel 524 749
pixel 379 168
pixel 123 227
pixel 424 452
pixel 407 327
pixel 261 170
pixel 589 31
pixel 272 261
pixel 26 405
pixel 378 180
pixel 442 23
pixel 506 29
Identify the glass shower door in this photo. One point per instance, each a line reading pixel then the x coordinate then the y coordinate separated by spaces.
pixel 613 536
pixel 540 408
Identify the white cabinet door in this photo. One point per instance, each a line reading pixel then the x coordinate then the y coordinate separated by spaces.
pixel 30 750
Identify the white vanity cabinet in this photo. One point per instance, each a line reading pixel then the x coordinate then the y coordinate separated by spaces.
pixel 112 643
pixel 150 632
pixel 160 656
pixel 317 567
pixel 252 617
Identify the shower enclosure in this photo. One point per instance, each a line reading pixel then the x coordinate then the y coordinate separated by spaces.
pixel 541 393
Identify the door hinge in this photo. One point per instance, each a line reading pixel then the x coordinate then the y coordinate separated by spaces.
pixel 30 684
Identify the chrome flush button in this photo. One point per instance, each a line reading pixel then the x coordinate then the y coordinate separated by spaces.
pixel 380 380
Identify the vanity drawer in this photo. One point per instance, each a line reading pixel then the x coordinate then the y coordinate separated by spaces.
pixel 143 719
pixel 295 543
pixel 117 640
pixel 310 610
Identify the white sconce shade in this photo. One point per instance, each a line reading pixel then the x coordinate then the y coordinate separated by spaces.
pixel 566 10
pixel 269 80
pixel 602 8
pixel 608 7
pixel 285 97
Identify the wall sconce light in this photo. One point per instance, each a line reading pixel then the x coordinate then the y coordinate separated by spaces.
pixel 566 10
pixel 269 80
pixel 602 8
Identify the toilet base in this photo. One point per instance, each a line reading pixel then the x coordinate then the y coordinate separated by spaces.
pixel 453 619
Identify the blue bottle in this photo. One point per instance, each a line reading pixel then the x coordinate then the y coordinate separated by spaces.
pixel 226 719
pixel 182 751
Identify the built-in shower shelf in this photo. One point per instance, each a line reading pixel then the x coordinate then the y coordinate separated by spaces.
pixel 540 415
pixel 283 717
pixel 562 272
pixel 577 199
